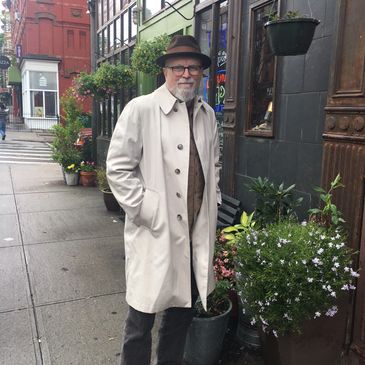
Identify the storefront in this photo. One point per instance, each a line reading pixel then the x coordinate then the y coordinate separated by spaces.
pixel 40 92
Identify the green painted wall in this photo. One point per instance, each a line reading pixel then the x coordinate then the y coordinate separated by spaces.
pixel 167 21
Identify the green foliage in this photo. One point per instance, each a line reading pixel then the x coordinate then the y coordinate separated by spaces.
pixel 246 223
pixel 72 110
pixel 288 15
pixel 146 52
pixel 65 136
pixel 328 214
pixel 102 180
pixel 110 79
pixel 107 80
pixel 273 202
pixel 289 272
pixel 87 166
pixel 223 264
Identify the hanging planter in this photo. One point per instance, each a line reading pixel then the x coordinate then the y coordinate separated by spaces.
pixel 146 52
pixel 290 37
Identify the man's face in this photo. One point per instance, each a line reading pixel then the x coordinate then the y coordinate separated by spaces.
pixel 183 83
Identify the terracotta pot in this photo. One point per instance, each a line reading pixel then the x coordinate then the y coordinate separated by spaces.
pixel 87 178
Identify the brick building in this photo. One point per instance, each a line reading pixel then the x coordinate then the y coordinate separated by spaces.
pixel 51 40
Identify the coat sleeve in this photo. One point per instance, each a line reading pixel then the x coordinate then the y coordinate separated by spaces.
pixel 124 156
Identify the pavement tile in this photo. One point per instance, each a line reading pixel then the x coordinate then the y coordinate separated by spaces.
pixel 5 180
pixel 37 178
pixel 73 198
pixel 7 204
pixel 85 332
pixel 18 340
pixel 61 271
pixel 9 230
pixel 13 283
pixel 67 225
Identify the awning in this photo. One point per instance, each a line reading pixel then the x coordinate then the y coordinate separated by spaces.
pixel 14 75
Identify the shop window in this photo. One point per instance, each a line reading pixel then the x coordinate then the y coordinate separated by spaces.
pixel 111 37
pixel 125 27
pixel 100 13
pixel 261 78
pixel 105 11
pixel 151 7
pixel 111 8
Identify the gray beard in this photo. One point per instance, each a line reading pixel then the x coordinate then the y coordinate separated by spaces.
pixel 184 95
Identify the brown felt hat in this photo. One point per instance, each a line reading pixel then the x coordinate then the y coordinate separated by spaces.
pixel 183 46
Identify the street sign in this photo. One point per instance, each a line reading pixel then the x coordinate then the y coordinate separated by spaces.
pixel 4 62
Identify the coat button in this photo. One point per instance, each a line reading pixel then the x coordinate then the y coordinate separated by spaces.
pixel 179 217
pixel 175 109
pixel 180 146
pixel 177 171
pixel 178 195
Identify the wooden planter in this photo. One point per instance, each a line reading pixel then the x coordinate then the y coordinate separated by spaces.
pixel 290 37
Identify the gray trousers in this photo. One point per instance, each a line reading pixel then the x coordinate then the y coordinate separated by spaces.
pixel 136 348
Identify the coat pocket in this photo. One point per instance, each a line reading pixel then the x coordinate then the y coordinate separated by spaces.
pixel 149 208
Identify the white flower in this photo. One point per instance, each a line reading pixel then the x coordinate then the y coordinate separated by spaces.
pixel 275 333
pixel 330 245
pixel 336 264
pixel 340 245
pixel 345 287
pixel 346 269
pixel 253 322
pixel 297 299
pixel 310 280
pixel 317 261
pixel 317 314
pixel 332 311
pixel 282 262
pixel 279 245
pixel 335 258
pixel 304 223
pixel 320 251
pixel 322 237
pixel 304 262
pixel 286 315
pixel 352 287
pixel 354 274
pixel 333 294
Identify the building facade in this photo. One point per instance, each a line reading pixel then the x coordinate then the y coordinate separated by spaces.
pixel 51 41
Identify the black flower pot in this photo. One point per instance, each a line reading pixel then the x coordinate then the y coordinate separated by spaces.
pixel 110 202
pixel 290 37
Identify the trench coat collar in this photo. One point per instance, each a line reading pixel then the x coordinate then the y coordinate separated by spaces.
pixel 167 101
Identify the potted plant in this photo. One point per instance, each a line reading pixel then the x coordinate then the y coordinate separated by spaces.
pixel 110 202
pixel 72 174
pixel 87 173
pixel 146 52
pixel 206 333
pixel 291 276
pixel 107 80
pixel 291 34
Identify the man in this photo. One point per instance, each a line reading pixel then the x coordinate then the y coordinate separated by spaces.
pixel 163 168
pixel 4 115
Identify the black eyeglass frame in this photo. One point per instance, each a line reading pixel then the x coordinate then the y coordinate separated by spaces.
pixel 190 68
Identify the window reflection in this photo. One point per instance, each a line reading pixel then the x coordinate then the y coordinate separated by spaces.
pixel 151 7
pixel 262 74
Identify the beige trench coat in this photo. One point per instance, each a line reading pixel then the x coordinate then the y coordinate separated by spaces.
pixel 147 169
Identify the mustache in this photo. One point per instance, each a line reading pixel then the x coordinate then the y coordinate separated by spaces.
pixel 190 80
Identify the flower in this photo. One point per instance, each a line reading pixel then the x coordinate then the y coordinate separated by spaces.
pixel 73 168
pixel 224 273
pixel 306 286
pixel 87 166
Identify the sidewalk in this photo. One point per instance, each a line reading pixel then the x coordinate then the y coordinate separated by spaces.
pixel 62 271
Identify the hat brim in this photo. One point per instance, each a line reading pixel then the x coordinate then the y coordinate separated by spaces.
pixel 206 61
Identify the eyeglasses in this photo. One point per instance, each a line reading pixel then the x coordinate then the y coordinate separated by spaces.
pixel 194 70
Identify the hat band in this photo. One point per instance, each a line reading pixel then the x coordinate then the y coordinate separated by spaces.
pixel 181 49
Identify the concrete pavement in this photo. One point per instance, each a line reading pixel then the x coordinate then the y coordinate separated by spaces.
pixel 62 280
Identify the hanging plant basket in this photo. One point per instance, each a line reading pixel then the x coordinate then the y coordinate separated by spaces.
pixel 290 37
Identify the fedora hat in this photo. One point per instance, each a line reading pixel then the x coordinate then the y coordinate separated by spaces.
pixel 184 46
